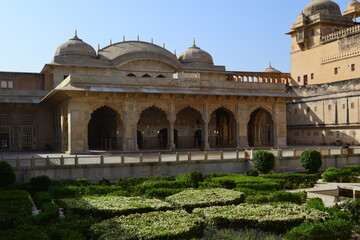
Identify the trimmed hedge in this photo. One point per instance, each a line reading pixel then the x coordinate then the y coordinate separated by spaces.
pixel 111 206
pixel 280 196
pixel 145 187
pixel 333 229
pixel 150 226
pixel 264 161
pixel 337 175
pixel 295 181
pixel 129 183
pixel 77 191
pixel 190 199
pixel 40 183
pixel 7 175
pixel 311 160
pixel 277 218
pixel 193 178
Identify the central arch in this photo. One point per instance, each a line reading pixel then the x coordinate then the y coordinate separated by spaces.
pixel 261 129
pixel 222 129
pixel 189 127
pixel 153 129
pixel 104 129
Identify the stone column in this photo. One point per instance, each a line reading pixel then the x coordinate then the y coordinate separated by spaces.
pixel 62 129
pixel 206 127
pixel 242 119
pixel 280 124
pixel 78 120
pixel 172 119
pixel 130 126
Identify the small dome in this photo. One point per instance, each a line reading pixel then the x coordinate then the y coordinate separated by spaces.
pixel 196 55
pixel 353 3
pixel 270 69
pixel 75 46
pixel 322 6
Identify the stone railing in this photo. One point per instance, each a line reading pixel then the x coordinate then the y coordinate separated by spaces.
pixel 141 158
pixel 347 54
pixel 259 77
pixel 339 34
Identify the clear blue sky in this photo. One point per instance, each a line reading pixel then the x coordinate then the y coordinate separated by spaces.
pixel 243 35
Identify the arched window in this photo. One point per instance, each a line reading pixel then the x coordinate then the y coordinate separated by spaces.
pixel 131 75
pixel 161 76
pixel 146 75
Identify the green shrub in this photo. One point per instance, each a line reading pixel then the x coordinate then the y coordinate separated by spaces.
pixel 227 183
pixel 129 183
pixel 207 185
pixel 7 175
pixel 155 225
pixel 337 175
pixel 77 191
pixel 83 181
pixel 311 160
pixel 316 203
pixel 103 182
pixel 279 217
pixel 262 186
pixel 40 183
pixel 333 229
pixel 147 186
pixel 252 172
pixel 264 161
pixel 49 212
pixel 242 234
pixel 279 196
pixel 41 197
pixel 209 176
pixel 295 181
pixel 111 206
pixel 354 208
pixel 162 192
pixel 190 199
pixel 25 232
pixel 193 177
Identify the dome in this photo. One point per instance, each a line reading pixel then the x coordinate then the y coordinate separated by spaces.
pixel 353 3
pixel 322 6
pixel 196 55
pixel 75 46
pixel 124 52
pixel 270 69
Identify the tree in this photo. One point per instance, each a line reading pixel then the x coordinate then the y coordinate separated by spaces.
pixel 264 161
pixel 311 160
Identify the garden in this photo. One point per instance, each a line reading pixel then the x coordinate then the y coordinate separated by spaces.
pixel 255 205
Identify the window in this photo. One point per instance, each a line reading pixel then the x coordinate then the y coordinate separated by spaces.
pixel 160 76
pixel 4 119
pixel 315 109
pixel 329 107
pixel 352 67
pixel 3 84
pixel 343 106
pixel 146 75
pixel 335 70
pixel 10 84
pixel 312 32
pixel 305 79
pixel 131 75
pixel 352 105
pixel 299 79
pixel 308 109
pixel 312 76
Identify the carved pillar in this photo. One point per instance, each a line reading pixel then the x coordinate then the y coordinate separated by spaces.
pixel 280 124
pixel 206 127
pixel 130 126
pixel 242 119
pixel 78 119
pixel 172 119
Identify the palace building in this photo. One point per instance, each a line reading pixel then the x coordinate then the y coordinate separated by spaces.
pixel 325 69
pixel 135 95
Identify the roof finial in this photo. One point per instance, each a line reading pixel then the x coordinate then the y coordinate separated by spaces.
pixel 123 38
pixel 194 42
pixel 163 45
pixel 175 52
pixel 98 46
pixel 138 37
pixel 76 33
pixel 152 40
pixel 110 41
pixel 270 65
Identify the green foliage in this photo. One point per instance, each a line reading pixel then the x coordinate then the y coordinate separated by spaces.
pixel 103 182
pixel 242 234
pixel 149 186
pixel 252 172
pixel 311 160
pixel 25 232
pixel 41 197
pixel 227 183
pixel 162 193
pixel 155 225
pixel 355 169
pixel 333 229
pixel 337 175
pixel 83 181
pixel 295 181
pixel 193 177
pixel 49 212
pixel 277 218
pixel 279 196
pixel 111 206
pixel 264 161
pixel 129 183
pixel 354 208
pixel 77 191
pixel 7 175
pixel 316 203
pixel 190 199
pixel 209 176
pixel 40 183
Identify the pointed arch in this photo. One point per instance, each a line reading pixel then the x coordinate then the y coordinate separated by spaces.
pixel 261 128
pixel 222 128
